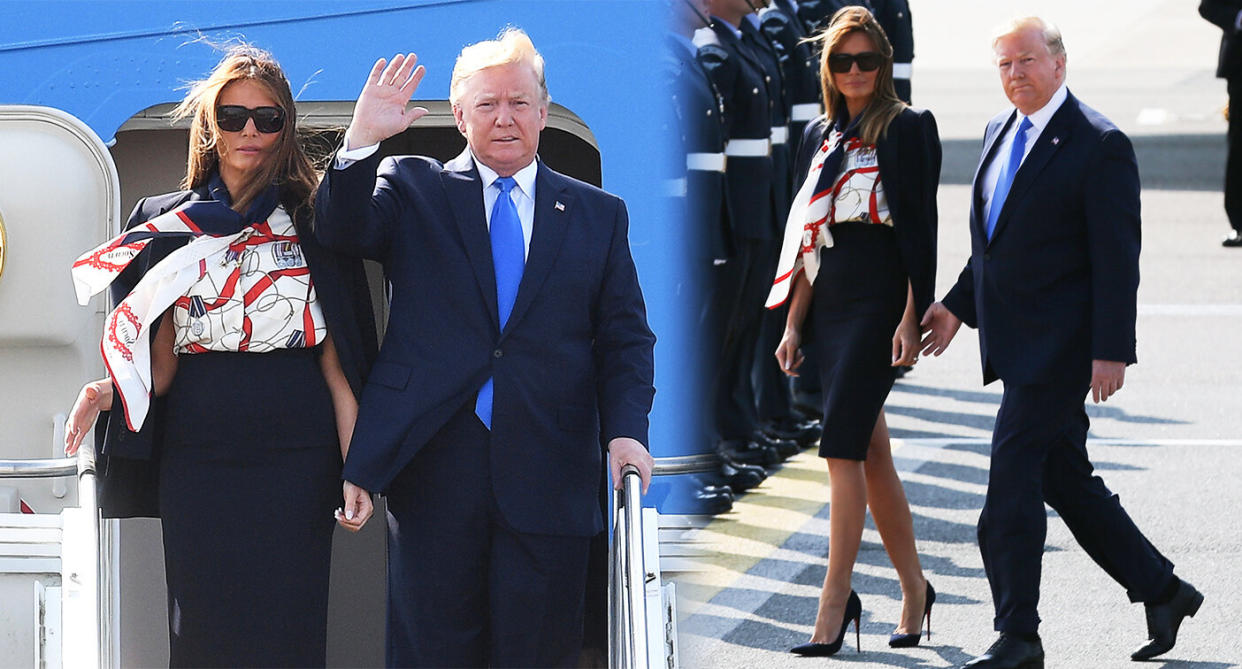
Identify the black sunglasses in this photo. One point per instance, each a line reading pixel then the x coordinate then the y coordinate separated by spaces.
pixel 232 118
pixel 868 61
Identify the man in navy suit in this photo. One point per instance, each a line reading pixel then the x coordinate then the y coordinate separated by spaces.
pixel 1051 285
pixel 517 353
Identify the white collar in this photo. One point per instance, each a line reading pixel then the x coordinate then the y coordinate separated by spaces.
pixel 1041 117
pixel 524 177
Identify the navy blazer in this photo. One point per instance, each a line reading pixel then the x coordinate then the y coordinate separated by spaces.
pixel 572 369
pixel 128 486
pixel 1056 287
pixel 909 158
pixel 1224 13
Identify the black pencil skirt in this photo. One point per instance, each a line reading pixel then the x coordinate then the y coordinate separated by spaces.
pixel 857 302
pixel 249 477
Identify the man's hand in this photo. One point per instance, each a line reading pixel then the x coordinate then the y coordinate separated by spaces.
pixel 1107 377
pixel 940 326
pixel 789 353
pixel 624 451
pixel 358 508
pixel 380 111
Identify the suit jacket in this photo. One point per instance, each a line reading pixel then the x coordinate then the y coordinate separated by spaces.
pixel 572 369
pixel 738 77
pixel 701 128
pixel 1056 286
pixel 1224 13
pixel 909 156
pixel 129 486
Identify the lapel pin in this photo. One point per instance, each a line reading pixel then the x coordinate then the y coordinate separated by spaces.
pixel 558 206
pixel 1056 140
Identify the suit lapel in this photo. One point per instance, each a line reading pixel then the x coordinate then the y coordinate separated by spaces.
pixel 1048 143
pixel 464 191
pixel 989 148
pixel 553 209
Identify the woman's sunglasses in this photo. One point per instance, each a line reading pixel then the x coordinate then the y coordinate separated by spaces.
pixel 232 118
pixel 868 61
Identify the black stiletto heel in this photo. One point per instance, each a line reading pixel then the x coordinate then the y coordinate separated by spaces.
pixel 853 613
pixel 910 640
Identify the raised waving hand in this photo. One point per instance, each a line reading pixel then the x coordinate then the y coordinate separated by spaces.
pixel 381 109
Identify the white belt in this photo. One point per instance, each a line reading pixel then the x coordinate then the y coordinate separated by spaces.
pixel 780 134
pixel 749 148
pixel 675 187
pixel 706 162
pixel 902 70
pixel 805 111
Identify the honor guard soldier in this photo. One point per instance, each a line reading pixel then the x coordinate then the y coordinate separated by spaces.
pixel 748 187
pixel 894 18
pixel 779 21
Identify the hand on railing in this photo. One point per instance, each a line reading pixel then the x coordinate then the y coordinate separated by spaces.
pixel 624 451
pixel 358 508
pixel 94 397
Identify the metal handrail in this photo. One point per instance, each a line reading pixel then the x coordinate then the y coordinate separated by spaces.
pixel 686 464
pixel 628 571
pixel 90 577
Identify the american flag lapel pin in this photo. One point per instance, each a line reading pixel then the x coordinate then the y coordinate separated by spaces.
pixel 1056 140
pixel 558 206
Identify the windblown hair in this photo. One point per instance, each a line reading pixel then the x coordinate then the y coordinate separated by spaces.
pixel 1051 33
pixel 289 167
pixel 512 45
pixel 884 105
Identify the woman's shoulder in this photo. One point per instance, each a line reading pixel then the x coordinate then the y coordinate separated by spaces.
pixel 153 205
pixel 915 116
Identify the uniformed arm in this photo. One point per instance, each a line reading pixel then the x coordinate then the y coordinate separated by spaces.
pixel 1113 240
pixel 1223 14
pixel 354 210
pixel 624 362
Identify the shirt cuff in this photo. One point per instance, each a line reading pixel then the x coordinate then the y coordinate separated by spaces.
pixel 345 158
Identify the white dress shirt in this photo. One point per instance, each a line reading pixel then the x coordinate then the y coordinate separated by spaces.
pixel 1039 121
pixel 523 195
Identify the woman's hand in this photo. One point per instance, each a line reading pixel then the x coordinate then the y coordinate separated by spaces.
pixel 789 353
pixel 358 508
pixel 93 398
pixel 906 343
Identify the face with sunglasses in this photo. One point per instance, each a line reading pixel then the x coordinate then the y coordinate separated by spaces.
pixel 250 124
pixel 855 64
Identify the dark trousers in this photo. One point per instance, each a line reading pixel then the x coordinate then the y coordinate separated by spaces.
pixel 773 395
pixel 464 588
pixel 742 288
pixel 1039 455
pixel 1233 162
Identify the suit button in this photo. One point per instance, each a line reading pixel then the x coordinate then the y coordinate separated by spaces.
pixel 755 92
pixel 768 79
pixel 709 112
pixel 498 353
pixel 987 256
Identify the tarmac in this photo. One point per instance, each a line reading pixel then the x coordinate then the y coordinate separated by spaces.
pixel 1170 443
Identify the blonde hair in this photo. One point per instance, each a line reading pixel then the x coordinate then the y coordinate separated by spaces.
pixel 884 105
pixel 1050 33
pixel 512 45
pixel 289 167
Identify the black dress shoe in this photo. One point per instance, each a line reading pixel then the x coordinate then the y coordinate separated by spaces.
pixel 1234 240
pixel 750 452
pixel 784 447
pixel 1010 652
pixel 1164 619
pixel 741 478
pixel 804 433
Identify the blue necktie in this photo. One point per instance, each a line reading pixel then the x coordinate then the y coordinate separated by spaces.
pixel 509 260
pixel 1005 181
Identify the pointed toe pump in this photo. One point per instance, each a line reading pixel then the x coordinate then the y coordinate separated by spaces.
pixel 853 613
pixel 911 640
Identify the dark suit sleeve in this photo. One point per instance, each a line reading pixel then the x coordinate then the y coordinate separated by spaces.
pixel 356 209
pixel 929 154
pixel 1113 240
pixel 1222 13
pixel 624 343
pixel 961 297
